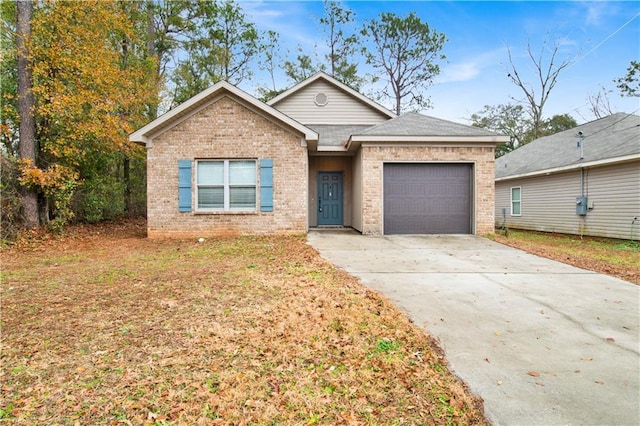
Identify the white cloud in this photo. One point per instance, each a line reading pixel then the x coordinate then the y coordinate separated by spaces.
pixel 596 12
pixel 472 67
pixel 459 72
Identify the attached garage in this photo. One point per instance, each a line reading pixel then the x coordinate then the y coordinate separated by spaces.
pixel 427 198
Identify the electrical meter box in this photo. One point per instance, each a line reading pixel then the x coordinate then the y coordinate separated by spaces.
pixel 581 205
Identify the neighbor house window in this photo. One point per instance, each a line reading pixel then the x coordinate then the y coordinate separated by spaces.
pixel 226 185
pixel 516 200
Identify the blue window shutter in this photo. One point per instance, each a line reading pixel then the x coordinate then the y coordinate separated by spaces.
pixel 184 186
pixel 266 185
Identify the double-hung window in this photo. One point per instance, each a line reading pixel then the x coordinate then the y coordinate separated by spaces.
pixel 226 185
pixel 516 201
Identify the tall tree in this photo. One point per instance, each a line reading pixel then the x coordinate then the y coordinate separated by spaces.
pixel 406 50
pixel 91 89
pixel 224 50
pixel 342 47
pixel 170 26
pixel 558 123
pixel 599 104
pixel 9 122
pixel 270 63
pixel 512 120
pixel 546 72
pixel 26 105
pixel 629 85
pixel 302 67
pixel 507 119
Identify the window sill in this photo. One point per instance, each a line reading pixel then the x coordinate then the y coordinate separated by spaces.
pixel 231 212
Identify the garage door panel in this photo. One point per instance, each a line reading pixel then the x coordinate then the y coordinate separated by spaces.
pixel 427 198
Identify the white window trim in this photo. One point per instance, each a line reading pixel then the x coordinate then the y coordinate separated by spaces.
pixel 227 185
pixel 511 200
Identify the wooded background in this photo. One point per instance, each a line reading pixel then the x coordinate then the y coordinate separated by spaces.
pixel 77 78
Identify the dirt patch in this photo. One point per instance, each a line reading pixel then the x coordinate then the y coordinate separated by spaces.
pixel 104 326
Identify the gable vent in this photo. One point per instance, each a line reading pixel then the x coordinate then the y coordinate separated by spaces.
pixel 321 99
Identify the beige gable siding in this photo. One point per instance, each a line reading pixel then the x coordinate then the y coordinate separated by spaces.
pixel 341 108
pixel 549 202
pixel 226 130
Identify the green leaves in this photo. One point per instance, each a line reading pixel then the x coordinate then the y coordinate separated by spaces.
pixel 407 51
pixel 221 46
pixel 629 85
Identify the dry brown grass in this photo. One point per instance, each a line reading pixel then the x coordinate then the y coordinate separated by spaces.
pixel 618 258
pixel 107 327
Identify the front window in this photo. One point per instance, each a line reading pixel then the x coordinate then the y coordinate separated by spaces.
pixel 226 185
pixel 516 201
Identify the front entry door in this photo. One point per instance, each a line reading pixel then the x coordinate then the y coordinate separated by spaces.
pixel 329 198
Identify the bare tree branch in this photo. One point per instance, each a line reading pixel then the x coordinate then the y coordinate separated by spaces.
pixel 546 74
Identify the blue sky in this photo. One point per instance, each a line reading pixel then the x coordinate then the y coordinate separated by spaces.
pixel 600 38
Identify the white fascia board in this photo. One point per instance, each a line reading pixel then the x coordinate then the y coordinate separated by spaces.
pixel 338 84
pixel 596 163
pixel 495 140
pixel 356 141
pixel 332 148
pixel 142 134
pixel 157 126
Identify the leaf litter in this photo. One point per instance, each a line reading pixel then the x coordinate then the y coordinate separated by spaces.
pixel 104 326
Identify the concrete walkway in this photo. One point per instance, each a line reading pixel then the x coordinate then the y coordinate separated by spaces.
pixel 543 343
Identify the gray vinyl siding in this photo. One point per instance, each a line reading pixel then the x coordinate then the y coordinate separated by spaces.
pixel 341 108
pixel 615 194
pixel 549 202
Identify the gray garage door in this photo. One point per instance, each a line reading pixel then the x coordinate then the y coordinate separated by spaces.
pixel 427 198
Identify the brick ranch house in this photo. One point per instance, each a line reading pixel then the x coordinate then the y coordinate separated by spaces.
pixel 318 155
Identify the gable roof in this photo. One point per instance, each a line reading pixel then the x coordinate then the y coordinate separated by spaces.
pixel 414 124
pixel 205 98
pixel 341 86
pixel 336 135
pixel 414 127
pixel 610 139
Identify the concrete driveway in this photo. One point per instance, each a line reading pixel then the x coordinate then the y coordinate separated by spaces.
pixel 540 341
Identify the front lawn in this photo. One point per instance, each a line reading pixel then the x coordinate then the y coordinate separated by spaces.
pixel 104 326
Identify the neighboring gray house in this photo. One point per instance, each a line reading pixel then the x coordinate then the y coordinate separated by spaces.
pixel 583 181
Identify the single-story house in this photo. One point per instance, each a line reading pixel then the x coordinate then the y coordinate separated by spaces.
pixel 583 181
pixel 318 155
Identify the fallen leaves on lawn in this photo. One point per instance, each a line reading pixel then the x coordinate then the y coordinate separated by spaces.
pixel 618 258
pixel 106 327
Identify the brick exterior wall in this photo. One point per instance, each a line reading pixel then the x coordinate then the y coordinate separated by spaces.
pixel 226 129
pixel 372 185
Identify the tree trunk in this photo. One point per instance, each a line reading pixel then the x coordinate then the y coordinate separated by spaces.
pixel 151 52
pixel 128 208
pixel 26 104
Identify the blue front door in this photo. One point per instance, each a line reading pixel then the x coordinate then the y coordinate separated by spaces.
pixel 329 198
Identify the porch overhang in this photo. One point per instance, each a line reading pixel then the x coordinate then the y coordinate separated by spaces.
pixel 356 141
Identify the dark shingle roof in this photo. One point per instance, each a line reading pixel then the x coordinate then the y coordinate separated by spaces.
pixel 611 137
pixel 335 135
pixel 414 124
